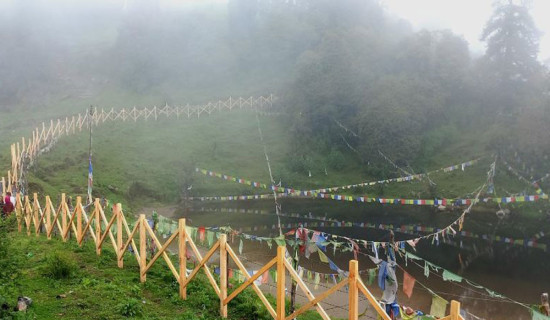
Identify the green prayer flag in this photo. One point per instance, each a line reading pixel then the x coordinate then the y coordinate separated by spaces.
pixel 210 238
pixel 322 256
pixel 273 275
pixel 449 276
pixel 439 306
pixel 317 280
pixel 280 240
pixel 539 316
pixel 426 269
pixel 372 276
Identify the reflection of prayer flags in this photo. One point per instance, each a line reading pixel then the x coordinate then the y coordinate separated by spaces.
pixel 273 274
pixel 439 306
pixel 426 269
pixel 210 238
pixel 241 246
pixel 449 276
pixel 201 233
pixel 539 316
pixel 322 256
pixel 317 280
pixel 408 284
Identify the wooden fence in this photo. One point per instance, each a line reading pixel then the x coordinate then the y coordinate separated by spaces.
pixel 30 148
pixel 97 226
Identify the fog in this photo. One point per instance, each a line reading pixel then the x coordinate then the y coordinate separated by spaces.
pixel 349 63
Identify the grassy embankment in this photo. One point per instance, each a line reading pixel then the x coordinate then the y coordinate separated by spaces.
pixel 66 281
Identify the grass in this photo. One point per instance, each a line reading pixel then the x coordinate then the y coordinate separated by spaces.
pixel 66 281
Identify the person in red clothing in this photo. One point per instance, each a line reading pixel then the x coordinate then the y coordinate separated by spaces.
pixel 8 205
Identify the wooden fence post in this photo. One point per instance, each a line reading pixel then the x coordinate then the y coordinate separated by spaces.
pixel 455 310
pixel 79 235
pixel 182 244
pixel 36 214
pixel 28 215
pixel 118 208
pixel 353 290
pixel 3 188
pixel 48 216
pixel 223 275
pixel 63 217
pixel 97 226
pixel 281 250
pixel 142 248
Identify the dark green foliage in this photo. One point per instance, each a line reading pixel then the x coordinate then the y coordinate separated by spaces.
pixel 59 265
pixel 130 308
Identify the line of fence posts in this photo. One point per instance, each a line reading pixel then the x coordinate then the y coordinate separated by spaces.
pixel 30 213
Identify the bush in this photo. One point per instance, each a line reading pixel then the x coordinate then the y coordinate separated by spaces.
pixel 131 308
pixel 59 266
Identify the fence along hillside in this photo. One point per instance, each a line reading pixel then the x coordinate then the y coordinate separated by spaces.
pixel 81 225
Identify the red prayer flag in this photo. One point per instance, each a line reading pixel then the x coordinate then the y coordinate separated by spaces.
pixel 265 277
pixel 408 284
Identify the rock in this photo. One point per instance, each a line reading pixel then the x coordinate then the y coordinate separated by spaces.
pixel 61 296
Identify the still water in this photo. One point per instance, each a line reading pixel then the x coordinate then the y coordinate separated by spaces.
pixel 518 272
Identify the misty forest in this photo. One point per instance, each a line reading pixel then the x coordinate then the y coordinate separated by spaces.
pixel 334 129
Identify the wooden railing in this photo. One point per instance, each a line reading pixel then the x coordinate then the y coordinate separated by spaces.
pixel 30 148
pixel 98 227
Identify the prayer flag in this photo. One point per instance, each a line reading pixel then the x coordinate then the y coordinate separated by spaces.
pixel 439 306
pixel 408 284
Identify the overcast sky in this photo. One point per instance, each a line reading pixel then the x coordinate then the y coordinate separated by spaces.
pixel 466 18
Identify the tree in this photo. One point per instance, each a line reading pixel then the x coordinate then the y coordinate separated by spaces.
pixel 512 43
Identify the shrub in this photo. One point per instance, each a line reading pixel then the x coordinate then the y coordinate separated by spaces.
pixel 131 308
pixel 59 266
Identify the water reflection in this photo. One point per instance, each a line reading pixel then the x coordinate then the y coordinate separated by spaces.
pixel 482 255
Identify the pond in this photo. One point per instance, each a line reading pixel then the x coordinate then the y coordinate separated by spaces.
pixel 518 272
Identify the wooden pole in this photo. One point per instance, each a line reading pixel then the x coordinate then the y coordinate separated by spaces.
pixel 97 226
pixel 63 217
pixel 353 291
pixel 118 208
pixel 48 216
pixel 142 248
pixel 79 234
pixel 281 282
pixel 182 242
pixel 455 310
pixel 3 188
pixel 35 213
pixel 223 275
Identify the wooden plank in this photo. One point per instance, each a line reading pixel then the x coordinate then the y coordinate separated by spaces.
pixel 162 250
pixel 306 290
pixel 104 219
pixel 118 212
pixel 455 310
pixel 97 226
pixel 202 264
pixel 63 217
pixel 254 286
pixel 250 280
pixel 131 239
pixel 223 275
pixel 381 312
pixel 315 301
pixel 353 294
pixel 79 234
pixel 182 254
pixel 142 248
pixel 281 282
pixel 107 229
pixel 164 254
